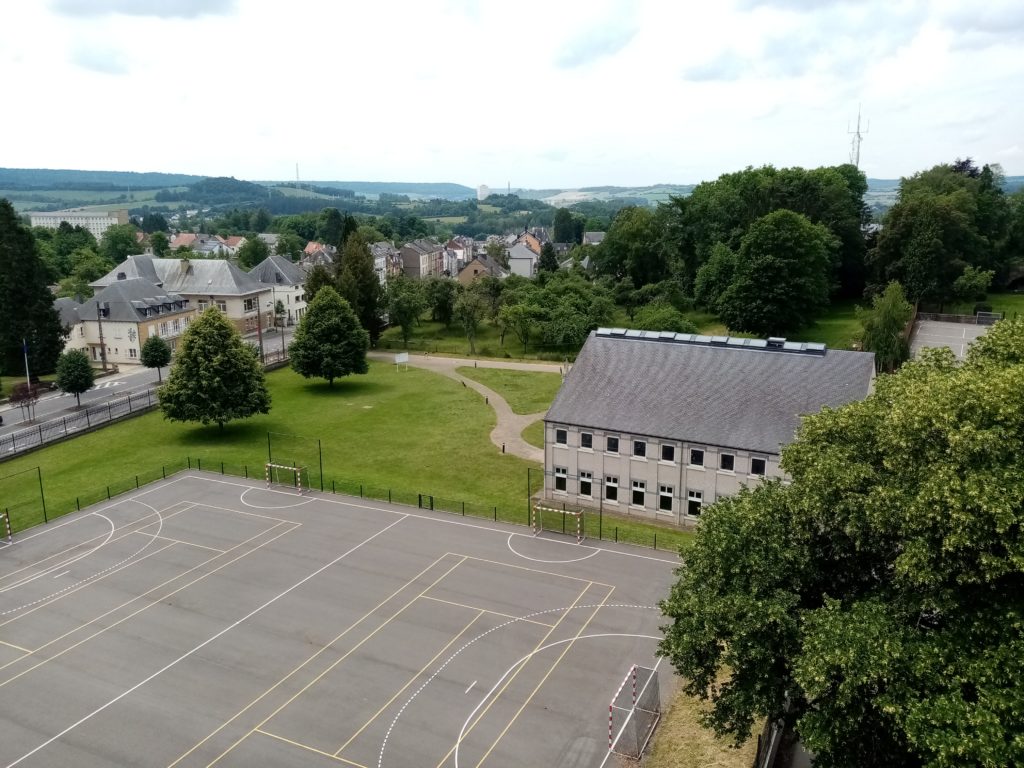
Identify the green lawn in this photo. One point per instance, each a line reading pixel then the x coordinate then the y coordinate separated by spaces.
pixel 388 435
pixel 524 391
pixel 534 434
pixel 838 327
pixel 7 383
pixel 435 338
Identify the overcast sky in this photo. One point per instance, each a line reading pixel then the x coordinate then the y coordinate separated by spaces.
pixel 536 94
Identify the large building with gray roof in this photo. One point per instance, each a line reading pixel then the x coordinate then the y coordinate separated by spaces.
pixel 661 424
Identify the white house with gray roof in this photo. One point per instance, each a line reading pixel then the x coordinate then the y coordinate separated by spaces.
pixel 205 283
pixel 121 317
pixel 287 282
pixel 660 424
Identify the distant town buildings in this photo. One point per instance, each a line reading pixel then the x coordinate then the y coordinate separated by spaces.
pixel 97 222
pixel 483 192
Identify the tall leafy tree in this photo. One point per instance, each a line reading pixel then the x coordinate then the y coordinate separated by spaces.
pixel 154 222
pixel 439 294
pixel 155 353
pixel 469 311
pixel 329 230
pixel 564 227
pixel 74 373
pixel 359 285
pixel 873 603
pixel 548 261
pixel 119 242
pixel 781 278
pixel 160 244
pixel 26 304
pixel 632 248
pixel 317 279
pixel 217 378
pixel 405 305
pixel 252 252
pixel 884 325
pixel 329 342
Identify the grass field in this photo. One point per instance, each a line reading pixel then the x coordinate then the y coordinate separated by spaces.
pixel 838 327
pixel 681 741
pixel 447 219
pixel 534 434
pixel 524 391
pixel 7 383
pixel 485 208
pixel 434 337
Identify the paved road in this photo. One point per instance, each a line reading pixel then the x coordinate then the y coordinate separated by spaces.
pixel 508 433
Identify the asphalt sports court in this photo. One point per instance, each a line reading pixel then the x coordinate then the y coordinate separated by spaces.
pixel 935 333
pixel 204 621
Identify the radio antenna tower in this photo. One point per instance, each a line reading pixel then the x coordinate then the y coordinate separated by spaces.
pixel 858 137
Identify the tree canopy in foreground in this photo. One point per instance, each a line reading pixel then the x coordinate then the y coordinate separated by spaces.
pixel 217 377
pixel 875 604
pixel 329 342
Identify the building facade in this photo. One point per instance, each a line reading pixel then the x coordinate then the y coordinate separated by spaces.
pixel 662 424
pixel 97 222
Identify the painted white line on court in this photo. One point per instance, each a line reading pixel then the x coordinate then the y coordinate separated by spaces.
pixel 470 688
pixel 482 635
pixel 594 550
pixel 619 734
pixel 58 575
pixel 53 568
pixel 443 521
pixel 271 490
pixel 201 645
pixel 525 659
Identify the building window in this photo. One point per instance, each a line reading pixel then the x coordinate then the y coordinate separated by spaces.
pixel 561 437
pixel 586 440
pixel 222 306
pixel 611 488
pixel 726 462
pixel 561 473
pixel 586 482
pixel 758 466
pixel 639 491
pixel 694 501
pixel 639 449
pixel 612 445
pixel 696 457
pixel 163 329
pixel 668 452
pixel 133 353
pixel 81 331
pixel 203 305
pixel 665 498
pixel 176 325
pixel 250 305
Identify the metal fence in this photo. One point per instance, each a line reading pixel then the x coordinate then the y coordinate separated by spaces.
pixel 79 421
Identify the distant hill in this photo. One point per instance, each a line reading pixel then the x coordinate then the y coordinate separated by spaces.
pixel 415 190
pixel 47 178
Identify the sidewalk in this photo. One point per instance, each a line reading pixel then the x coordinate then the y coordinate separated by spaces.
pixel 508 431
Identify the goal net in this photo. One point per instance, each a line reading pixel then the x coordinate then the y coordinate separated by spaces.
pixel 634 711
pixel 567 521
pixel 288 476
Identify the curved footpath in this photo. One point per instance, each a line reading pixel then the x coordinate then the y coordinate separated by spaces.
pixel 509 429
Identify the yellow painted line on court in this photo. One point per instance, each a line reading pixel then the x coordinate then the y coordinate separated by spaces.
pixel 180 541
pixel 94 538
pixel 26 651
pixel 515 674
pixel 54 598
pixel 389 702
pixel 487 610
pixel 309 748
pixel 553 667
pixel 334 664
pixel 352 626
pixel 143 608
pixel 538 570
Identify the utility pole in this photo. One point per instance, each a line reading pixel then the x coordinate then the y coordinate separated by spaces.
pixel 101 312
pixel 858 137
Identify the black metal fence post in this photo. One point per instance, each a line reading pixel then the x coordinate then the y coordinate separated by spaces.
pixel 42 496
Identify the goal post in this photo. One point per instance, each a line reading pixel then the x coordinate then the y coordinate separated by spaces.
pixel 570 521
pixel 633 712
pixel 290 450
pixel 287 475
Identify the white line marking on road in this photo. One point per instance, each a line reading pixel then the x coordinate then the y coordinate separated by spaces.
pixel 57 576
pixel 470 687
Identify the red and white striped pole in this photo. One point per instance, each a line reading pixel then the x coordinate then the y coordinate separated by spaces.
pixel 610 718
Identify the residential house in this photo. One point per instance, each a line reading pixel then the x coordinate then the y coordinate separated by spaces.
pixel 522 260
pixel 387 261
pixel 245 301
pixel 659 424
pixel 233 244
pixel 207 245
pixel 122 316
pixel 320 257
pixel 287 281
pixel 534 239
pixel 270 239
pixel 593 238
pixel 479 267
pixel 313 246
pixel 422 258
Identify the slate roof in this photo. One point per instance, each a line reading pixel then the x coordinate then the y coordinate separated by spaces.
pixel 708 390
pixel 67 309
pixel 213 277
pixel 133 300
pixel 278 270
pixel 593 238
pixel 520 251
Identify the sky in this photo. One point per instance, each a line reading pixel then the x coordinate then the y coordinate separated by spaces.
pixel 533 94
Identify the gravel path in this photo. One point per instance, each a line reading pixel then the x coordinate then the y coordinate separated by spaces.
pixel 507 434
